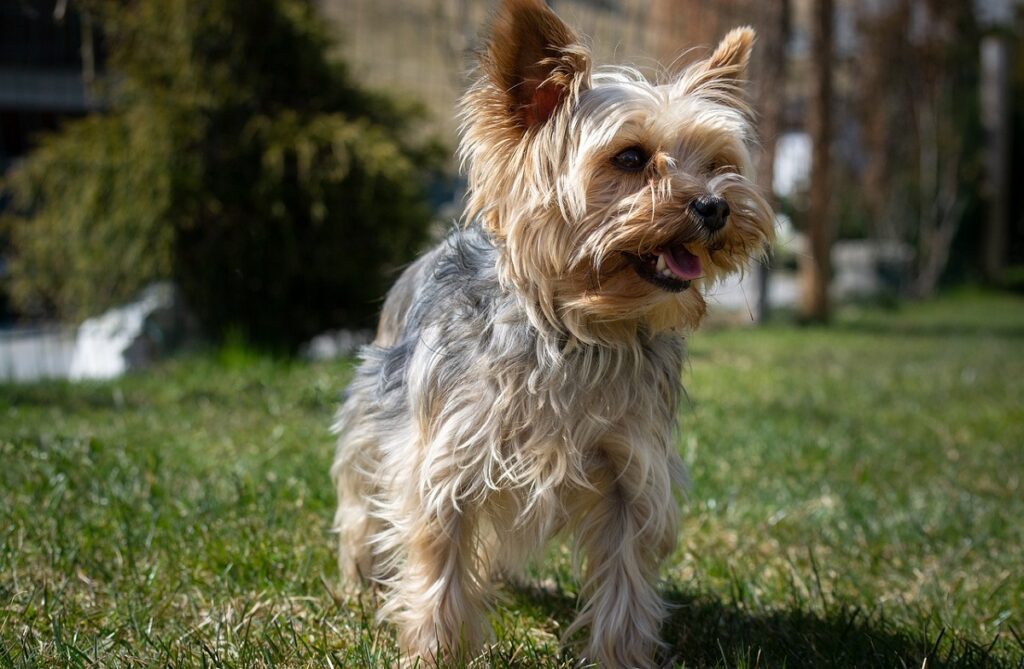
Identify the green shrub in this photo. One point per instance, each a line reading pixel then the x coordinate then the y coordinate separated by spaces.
pixel 98 194
pixel 237 159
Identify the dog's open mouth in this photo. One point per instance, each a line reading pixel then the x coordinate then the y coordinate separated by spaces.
pixel 671 268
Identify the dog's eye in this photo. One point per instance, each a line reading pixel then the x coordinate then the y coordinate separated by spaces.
pixel 632 159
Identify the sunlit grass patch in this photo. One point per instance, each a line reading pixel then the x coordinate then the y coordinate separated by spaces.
pixel 856 501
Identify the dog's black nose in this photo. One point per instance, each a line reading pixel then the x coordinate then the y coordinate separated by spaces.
pixel 712 212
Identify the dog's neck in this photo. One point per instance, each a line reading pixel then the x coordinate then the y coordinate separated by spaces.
pixel 560 322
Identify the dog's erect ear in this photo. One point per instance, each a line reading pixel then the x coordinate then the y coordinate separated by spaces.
pixel 721 76
pixel 535 59
pixel 732 54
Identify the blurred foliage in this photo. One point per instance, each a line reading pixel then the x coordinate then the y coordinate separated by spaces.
pixel 237 159
pixel 99 194
pixel 921 136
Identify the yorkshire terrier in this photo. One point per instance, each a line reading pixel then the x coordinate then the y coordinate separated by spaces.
pixel 525 374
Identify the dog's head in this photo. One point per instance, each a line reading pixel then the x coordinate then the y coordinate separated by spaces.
pixel 613 200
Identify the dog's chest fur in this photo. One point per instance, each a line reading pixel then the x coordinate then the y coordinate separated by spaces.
pixel 492 393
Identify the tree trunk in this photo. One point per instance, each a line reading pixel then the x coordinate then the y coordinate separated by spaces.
pixel 881 69
pixel 995 118
pixel 816 268
pixel 770 75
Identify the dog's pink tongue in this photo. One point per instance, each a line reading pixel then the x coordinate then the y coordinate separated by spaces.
pixel 683 264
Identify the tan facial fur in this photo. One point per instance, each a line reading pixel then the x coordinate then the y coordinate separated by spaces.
pixel 538 145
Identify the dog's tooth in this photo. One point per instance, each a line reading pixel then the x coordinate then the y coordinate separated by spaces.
pixel 667 273
pixel 661 263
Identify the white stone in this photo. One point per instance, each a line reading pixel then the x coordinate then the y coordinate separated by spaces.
pixel 128 337
pixel 335 344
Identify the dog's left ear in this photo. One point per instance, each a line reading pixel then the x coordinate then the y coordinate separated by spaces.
pixel 722 75
pixel 535 59
pixel 732 55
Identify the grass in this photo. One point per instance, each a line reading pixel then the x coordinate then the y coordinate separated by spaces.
pixel 857 500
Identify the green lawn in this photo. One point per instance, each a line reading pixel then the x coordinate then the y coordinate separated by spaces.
pixel 857 500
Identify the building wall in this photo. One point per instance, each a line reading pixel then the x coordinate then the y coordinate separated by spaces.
pixel 424 48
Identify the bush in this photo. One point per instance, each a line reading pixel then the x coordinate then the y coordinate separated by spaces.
pixel 238 160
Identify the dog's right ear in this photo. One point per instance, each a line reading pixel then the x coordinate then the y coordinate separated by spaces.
pixel 720 77
pixel 535 59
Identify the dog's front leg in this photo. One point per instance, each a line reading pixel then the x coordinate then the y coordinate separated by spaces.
pixel 438 596
pixel 624 527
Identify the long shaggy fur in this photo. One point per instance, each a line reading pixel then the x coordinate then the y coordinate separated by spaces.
pixel 525 377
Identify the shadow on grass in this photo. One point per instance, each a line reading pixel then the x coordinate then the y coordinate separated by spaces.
pixel 705 632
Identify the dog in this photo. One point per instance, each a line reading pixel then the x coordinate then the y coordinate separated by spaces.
pixel 525 375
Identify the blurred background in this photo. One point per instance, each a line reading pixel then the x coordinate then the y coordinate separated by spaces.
pixel 179 172
pixel 220 190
